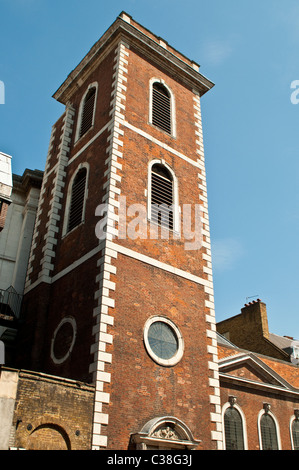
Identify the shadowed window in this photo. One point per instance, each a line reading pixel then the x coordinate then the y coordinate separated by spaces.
pixel 77 199
pixel 162 196
pixel 233 426
pixel 161 108
pixel 87 112
pixel 268 433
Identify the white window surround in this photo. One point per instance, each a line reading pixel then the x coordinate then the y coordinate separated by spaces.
pixel 261 413
pixel 237 407
pixel 172 105
pixel 149 438
pixel 80 112
pixel 180 351
pixel 176 208
pixel 72 322
pixel 69 197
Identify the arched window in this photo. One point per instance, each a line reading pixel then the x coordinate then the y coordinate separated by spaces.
pixel 269 440
pixel 295 432
pixel 76 209
pixel 233 428
pixel 161 107
pixel 86 114
pixel 162 196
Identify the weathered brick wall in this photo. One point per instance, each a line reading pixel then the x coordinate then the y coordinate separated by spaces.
pixel 132 387
pixel 249 330
pixel 52 413
pixel 45 305
pixel 251 399
pixel 140 388
pixel 32 330
pixel 252 403
pixel 144 290
pixel 72 298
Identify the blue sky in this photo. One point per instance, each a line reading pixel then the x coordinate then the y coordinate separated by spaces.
pixel 249 49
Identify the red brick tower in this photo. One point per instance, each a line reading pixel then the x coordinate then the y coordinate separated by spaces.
pixel 131 311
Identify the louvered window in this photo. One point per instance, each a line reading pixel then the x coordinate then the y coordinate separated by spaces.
pixel 233 427
pixel 295 434
pixel 77 199
pixel 162 197
pixel 268 433
pixel 87 112
pixel 161 108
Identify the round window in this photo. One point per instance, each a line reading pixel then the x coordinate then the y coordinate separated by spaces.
pixel 63 340
pixel 163 341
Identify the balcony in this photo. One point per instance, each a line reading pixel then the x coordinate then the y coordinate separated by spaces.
pixel 10 303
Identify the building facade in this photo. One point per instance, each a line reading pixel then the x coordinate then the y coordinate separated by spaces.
pixel 97 289
pixel 19 211
pixel 118 309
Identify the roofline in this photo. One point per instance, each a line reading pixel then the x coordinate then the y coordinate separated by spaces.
pixel 257 385
pixel 284 386
pixel 122 29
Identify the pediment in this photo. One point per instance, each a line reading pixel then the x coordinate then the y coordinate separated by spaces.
pixel 249 369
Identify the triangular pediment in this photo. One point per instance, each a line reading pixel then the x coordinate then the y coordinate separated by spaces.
pixel 248 368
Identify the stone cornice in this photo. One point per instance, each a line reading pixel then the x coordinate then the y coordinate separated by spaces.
pixel 162 55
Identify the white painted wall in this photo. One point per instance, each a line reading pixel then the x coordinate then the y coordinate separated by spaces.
pixel 16 236
pixel 8 392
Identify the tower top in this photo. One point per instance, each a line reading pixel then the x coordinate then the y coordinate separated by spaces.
pixel 133 34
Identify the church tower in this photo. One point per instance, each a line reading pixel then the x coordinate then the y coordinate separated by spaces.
pixel 119 289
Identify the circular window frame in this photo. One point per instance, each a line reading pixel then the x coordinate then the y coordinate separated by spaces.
pixel 72 322
pixel 180 349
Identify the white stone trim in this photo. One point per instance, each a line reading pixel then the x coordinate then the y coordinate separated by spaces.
pixel 261 413
pixel 113 248
pixel 244 427
pixel 180 351
pixel 159 264
pixel 71 160
pixel 176 207
pixel 39 212
pixel 207 268
pixel 80 112
pixel 69 197
pixel 106 303
pixel 57 192
pixel 172 105
pixel 72 322
pixel 149 137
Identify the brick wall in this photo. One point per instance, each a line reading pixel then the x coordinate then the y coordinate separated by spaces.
pixel 249 330
pixel 44 417
pixel 251 403
pixel 109 295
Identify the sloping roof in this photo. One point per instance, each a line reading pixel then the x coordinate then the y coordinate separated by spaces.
pixel 267 376
pixel 222 340
pixel 282 342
